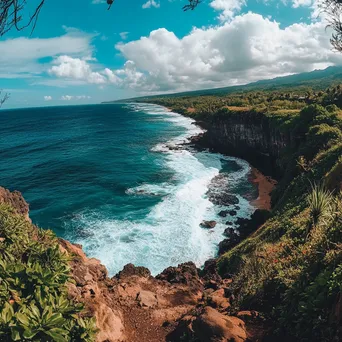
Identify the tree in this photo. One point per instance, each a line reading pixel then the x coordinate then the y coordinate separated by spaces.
pixel 333 11
pixel 3 97
pixel 11 15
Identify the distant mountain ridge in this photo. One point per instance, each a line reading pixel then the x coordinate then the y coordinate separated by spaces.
pixel 316 80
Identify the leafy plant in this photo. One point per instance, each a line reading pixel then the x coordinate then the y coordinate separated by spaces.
pixel 34 304
pixel 320 200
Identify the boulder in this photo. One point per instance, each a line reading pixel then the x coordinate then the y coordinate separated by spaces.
pixel 218 300
pixel 208 224
pixel 232 212
pixel 211 325
pixel 186 274
pixel 223 213
pixel 130 270
pixel 147 299
pixel 224 199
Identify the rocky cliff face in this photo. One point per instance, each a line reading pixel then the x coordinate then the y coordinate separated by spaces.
pixel 248 135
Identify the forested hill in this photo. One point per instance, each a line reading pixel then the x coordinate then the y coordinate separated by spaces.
pixel 309 81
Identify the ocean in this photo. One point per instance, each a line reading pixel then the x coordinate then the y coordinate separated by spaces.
pixel 116 179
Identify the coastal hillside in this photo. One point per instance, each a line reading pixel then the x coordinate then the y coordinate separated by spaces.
pixel 290 268
pixel 301 84
pixel 277 276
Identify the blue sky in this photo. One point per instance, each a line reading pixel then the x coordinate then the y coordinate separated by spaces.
pixel 82 53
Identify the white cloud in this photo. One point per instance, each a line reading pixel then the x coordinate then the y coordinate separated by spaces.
pixel 75 68
pixel 151 3
pixel 301 3
pixel 78 97
pixel 123 35
pixel 228 7
pixel 47 98
pixel 22 56
pixel 247 48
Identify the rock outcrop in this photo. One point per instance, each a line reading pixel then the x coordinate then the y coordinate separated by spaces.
pixel 249 135
pixel 16 201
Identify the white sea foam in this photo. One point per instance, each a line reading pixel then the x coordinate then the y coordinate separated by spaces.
pixel 170 234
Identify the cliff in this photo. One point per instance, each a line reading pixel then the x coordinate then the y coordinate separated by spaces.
pixel 250 135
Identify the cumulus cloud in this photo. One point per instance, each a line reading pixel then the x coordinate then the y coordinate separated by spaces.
pixel 21 56
pixel 47 98
pixel 247 48
pixel 228 7
pixel 243 49
pixel 151 3
pixel 78 97
pixel 75 68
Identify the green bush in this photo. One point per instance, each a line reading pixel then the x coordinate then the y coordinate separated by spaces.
pixel 34 304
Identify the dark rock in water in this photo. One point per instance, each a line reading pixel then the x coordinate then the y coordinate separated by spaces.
pixel 232 212
pixel 227 244
pixel 237 207
pixel 229 232
pixel 248 226
pixel 223 199
pixel 85 233
pixel 144 192
pixel 175 147
pixel 208 224
pixel 232 240
pixel 229 223
pixel 223 213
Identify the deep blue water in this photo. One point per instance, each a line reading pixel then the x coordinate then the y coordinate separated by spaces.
pixel 102 176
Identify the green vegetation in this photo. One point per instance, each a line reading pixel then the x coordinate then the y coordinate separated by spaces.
pixel 34 273
pixel 290 269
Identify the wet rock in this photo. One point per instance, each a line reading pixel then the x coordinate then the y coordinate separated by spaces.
pixel 230 232
pixel 237 207
pixel 229 223
pixel 223 213
pixel 232 212
pixel 232 240
pixel 208 224
pixel 248 226
pixel 224 199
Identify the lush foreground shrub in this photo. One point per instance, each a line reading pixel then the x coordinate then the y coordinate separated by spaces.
pixel 34 305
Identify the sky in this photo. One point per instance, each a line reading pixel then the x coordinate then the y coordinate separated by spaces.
pixel 81 53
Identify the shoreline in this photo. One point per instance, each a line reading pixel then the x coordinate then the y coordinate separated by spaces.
pixel 265 185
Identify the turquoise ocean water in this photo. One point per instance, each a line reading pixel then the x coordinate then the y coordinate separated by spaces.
pixel 105 177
